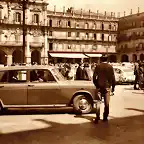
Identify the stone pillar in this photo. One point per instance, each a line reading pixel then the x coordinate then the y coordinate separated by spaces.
pixel 44 53
pixel 9 59
pixel 27 49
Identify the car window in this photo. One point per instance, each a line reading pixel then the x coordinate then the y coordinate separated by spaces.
pixel 58 75
pixel 41 75
pixel 13 76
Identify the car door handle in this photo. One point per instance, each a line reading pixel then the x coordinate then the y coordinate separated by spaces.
pixel 1 86
pixel 30 85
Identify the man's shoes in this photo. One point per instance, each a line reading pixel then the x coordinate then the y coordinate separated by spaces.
pixel 105 119
pixel 96 120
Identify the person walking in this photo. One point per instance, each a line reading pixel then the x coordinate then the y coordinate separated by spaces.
pixel 136 73
pixel 86 72
pixel 104 79
pixel 79 72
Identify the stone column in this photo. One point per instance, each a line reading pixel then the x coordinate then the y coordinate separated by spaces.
pixel 9 59
pixel 27 49
pixel 44 53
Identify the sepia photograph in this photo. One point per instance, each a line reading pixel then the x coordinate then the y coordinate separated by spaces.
pixel 71 72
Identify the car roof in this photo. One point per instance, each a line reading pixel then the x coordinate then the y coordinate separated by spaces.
pixel 31 67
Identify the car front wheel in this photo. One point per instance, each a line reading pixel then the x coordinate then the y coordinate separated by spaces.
pixel 82 104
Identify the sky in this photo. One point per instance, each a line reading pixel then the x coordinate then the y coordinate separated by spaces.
pixel 101 5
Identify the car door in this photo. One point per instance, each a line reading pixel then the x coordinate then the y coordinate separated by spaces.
pixel 13 93
pixel 43 92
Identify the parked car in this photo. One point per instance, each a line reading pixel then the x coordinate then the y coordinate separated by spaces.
pixel 43 86
pixel 124 74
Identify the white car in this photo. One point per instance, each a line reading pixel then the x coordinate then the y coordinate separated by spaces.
pixel 124 74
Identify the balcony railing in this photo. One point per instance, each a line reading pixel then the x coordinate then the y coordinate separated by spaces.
pixel 11 43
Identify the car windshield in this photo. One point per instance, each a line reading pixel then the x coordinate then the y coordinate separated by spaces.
pixel 57 74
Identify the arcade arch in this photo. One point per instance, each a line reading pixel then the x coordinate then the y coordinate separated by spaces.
pixel 35 57
pixel 17 56
pixel 141 57
pixel 124 58
pixel 134 57
pixel 112 58
pixel 3 57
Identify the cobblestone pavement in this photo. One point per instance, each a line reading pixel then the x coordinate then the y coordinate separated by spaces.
pixel 125 126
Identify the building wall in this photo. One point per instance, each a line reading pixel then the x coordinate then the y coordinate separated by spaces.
pixel 40 34
pixel 131 36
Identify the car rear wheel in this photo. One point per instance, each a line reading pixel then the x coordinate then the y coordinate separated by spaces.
pixel 82 104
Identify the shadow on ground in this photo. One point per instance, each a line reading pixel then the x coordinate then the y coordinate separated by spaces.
pixel 126 130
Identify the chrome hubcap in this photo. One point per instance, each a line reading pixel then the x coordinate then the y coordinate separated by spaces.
pixel 83 104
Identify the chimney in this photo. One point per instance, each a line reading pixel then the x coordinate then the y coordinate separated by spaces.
pixel 105 14
pixel 118 15
pixel 114 14
pixel 63 10
pixel 138 10
pixel 98 13
pixel 81 12
pixel 55 9
pixel 124 13
pixel 131 12
pixel 89 13
pixel 111 14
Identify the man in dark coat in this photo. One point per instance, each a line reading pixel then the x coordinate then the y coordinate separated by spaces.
pixel 136 73
pixel 79 72
pixel 104 79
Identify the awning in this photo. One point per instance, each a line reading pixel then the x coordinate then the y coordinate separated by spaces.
pixel 94 55
pixel 68 55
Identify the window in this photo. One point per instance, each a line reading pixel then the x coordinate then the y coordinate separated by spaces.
pixel 50 46
pixel 50 23
pixel 102 37
pixel 59 23
pixel 69 24
pixel 77 34
pixel 36 18
pixel 110 27
pixel 0 14
pixel 69 34
pixel 18 17
pixel 95 36
pixel 87 35
pixel 102 26
pixel 69 46
pixel 86 25
pixel 142 24
pixel 94 26
pixel 13 76
pixel 41 75
pixel 50 33
pixel 77 25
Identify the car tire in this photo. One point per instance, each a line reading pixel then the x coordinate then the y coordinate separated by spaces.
pixel 82 105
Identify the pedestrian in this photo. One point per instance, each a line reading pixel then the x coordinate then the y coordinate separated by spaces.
pixel 104 79
pixel 79 72
pixel 141 77
pixel 86 72
pixel 136 73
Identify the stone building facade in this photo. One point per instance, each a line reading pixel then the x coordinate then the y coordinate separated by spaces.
pixel 51 32
pixel 131 38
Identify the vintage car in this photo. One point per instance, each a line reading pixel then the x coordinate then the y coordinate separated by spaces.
pixel 43 86
pixel 124 74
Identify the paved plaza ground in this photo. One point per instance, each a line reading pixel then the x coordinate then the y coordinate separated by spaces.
pixel 125 126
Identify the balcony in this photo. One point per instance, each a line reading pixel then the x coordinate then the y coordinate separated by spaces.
pixel 11 43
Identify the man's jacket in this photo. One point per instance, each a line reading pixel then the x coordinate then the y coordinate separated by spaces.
pixel 103 76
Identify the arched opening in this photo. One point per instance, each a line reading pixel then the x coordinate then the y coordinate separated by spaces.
pixel 112 58
pixel 124 58
pixel 35 57
pixel 141 57
pixel 134 57
pixel 3 57
pixel 17 57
